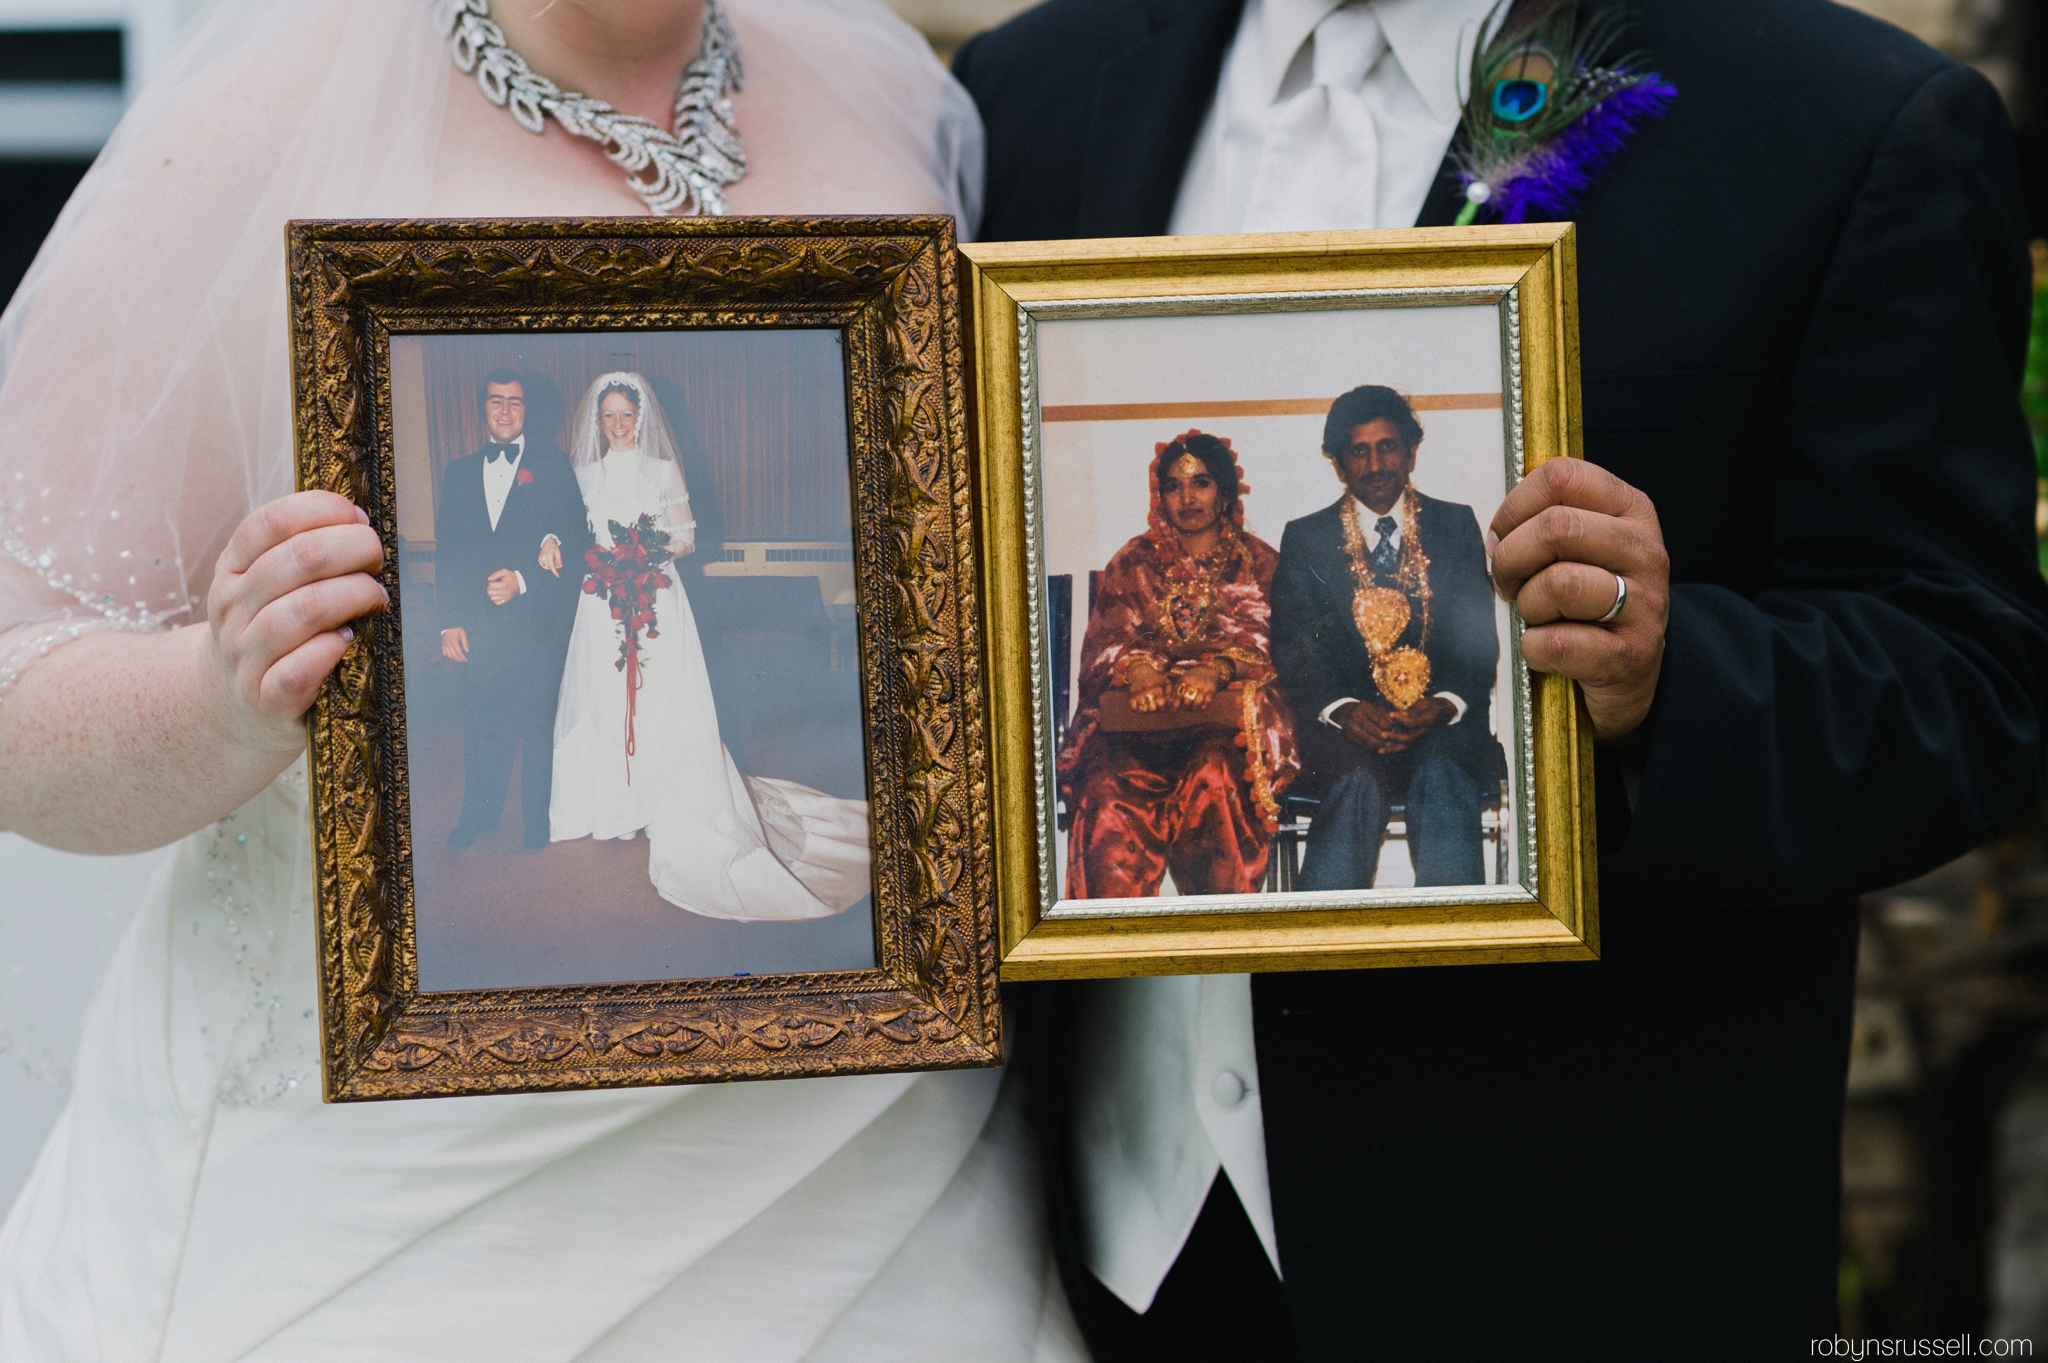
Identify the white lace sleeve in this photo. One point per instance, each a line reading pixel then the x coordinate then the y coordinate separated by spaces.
pixel 674 512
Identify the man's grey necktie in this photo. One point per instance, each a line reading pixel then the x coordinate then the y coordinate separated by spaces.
pixel 1386 553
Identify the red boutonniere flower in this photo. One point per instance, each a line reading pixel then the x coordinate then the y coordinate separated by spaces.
pixel 525 476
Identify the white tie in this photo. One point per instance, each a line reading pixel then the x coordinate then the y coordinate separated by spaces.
pixel 1320 167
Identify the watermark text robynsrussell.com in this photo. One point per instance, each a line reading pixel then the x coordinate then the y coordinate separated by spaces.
pixel 1961 1346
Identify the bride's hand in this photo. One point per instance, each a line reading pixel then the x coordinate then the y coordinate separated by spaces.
pixel 297 570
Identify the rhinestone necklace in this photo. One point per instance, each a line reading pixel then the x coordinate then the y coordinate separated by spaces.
pixel 686 171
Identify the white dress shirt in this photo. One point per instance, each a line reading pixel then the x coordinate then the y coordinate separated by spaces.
pixel 1326 116
pixel 498 477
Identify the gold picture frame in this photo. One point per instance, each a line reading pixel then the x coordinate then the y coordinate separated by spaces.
pixel 1544 906
pixel 886 287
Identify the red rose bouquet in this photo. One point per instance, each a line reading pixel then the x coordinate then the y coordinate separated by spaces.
pixel 628 574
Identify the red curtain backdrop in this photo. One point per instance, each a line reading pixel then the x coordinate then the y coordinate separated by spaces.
pixel 762 412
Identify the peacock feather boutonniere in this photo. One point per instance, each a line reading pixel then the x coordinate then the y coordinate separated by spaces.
pixel 1543 118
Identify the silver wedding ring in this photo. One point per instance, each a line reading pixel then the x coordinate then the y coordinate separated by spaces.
pixel 1620 599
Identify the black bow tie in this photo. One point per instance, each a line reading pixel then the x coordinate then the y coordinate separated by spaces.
pixel 493 451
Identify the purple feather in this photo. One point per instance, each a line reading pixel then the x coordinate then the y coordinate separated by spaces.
pixel 1559 173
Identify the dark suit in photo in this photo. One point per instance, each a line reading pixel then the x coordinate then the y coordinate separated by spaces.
pixel 1803 305
pixel 513 678
pixel 1322 659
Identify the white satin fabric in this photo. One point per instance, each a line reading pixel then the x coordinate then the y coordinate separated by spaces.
pixel 178 1214
pixel 197 1201
pixel 1165 1103
pixel 1320 164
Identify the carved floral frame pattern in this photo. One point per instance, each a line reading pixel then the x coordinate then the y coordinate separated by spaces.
pixel 888 284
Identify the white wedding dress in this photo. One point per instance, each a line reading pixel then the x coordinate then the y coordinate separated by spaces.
pixel 719 843
pixel 196 1200
pixel 598 793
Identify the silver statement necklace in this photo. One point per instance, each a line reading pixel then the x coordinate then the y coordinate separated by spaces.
pixel 684 172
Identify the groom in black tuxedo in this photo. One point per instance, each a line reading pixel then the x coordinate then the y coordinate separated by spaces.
pixel 1803 314
pixel 1363 751
pixel 505 618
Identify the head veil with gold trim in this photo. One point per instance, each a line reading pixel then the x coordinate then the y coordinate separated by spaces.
pixel 1156 522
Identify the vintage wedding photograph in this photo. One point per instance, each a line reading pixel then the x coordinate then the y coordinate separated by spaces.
pixel 667 763
pixel 1276 663
pixel 1258 703
pixel 634 715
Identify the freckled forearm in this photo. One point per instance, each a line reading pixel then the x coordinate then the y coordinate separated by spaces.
pixel 111 744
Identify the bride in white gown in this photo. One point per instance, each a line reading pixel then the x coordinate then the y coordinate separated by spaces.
pixel 167 607
pixel 639 749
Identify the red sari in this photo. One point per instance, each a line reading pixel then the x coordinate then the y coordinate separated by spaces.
pixel 1201 802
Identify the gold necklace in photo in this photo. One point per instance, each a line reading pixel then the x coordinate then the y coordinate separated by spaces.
pixel 1381 614
pixel 1188 602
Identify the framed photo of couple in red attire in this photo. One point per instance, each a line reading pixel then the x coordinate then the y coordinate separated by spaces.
pixel 1256 705
pixel 668 762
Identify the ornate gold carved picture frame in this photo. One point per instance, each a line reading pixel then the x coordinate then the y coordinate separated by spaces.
pixel 783 403
pixel 1168 435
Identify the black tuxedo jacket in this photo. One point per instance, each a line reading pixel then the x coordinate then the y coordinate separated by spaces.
pixel 1803 314
pixel 532 626
pixel 1321 657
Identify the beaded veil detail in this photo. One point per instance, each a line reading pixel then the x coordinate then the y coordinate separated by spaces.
pixel 102 585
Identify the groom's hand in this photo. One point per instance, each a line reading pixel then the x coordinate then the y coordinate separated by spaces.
pixel 501 586
pixel 455 644
pixel 1564 534
pixel 551 555
pixel 1431 712
pixel 1371 726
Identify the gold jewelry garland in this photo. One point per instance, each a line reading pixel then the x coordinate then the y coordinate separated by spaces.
pixel 1256 775
pixel 1381 614
pixel 1187 603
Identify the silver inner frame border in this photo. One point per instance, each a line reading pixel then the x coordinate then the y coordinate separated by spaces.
pixel 1507 301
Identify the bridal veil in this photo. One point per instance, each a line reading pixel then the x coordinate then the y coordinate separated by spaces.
pixel 145 387
pixel 145 396
pixel 196 1200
